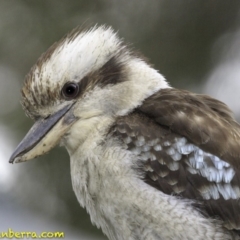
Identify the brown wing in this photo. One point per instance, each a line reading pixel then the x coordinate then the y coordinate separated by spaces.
pixel 174 165
pixel 204 121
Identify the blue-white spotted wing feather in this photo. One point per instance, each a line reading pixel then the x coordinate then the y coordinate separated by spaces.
pixel 177 164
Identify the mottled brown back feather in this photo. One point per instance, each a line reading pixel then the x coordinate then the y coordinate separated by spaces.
pixel 159 172
pixel 204 121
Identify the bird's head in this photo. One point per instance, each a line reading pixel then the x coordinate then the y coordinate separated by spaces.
pixel 86 75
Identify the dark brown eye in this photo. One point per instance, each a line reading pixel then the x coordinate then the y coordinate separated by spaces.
pixel 70 90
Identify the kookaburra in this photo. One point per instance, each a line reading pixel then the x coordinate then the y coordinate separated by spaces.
pixel 148 161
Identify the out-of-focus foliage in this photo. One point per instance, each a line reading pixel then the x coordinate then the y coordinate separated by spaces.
pixel 186 40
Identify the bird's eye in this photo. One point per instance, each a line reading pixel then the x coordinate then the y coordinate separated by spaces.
pixel 70 90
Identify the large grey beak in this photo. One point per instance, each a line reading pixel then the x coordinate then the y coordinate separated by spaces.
pixel 43 136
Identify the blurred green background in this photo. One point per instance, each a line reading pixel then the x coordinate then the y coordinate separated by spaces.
pixel 194 44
